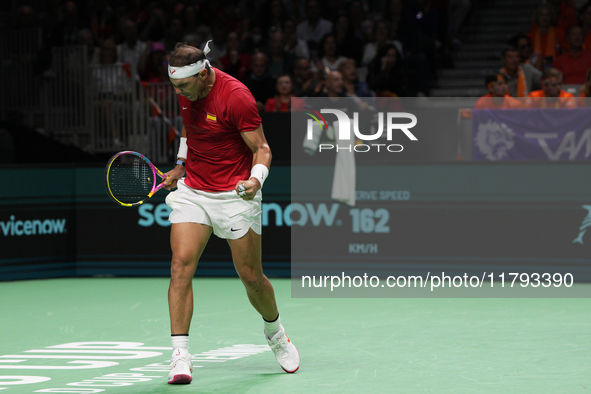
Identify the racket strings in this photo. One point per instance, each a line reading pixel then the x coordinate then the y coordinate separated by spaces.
pixel 130 179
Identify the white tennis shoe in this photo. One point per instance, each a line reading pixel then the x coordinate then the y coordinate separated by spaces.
pixel 181 367
pixel 286 353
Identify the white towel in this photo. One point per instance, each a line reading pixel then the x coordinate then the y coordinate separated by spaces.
pixel 343 182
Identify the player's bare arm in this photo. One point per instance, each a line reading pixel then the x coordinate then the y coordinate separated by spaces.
pixel 261 151
pixel 172 176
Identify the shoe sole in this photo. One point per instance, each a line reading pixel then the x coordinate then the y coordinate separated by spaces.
pixel 181 379
pixel 294 369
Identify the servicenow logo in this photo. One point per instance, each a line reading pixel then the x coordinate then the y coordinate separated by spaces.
pixel 17 228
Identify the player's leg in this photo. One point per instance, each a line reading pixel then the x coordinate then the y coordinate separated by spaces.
pixel 187 241
pixel 246 254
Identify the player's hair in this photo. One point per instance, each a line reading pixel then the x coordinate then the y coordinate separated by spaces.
pixel 184 54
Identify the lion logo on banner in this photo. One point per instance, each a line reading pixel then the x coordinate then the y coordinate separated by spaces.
pixel 494 140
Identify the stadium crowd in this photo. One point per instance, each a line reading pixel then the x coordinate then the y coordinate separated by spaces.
pixel 278 48
pixel 555 52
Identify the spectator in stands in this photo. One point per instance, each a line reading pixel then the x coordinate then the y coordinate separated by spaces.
pixel 65 33
pixel 522 78
pixel 566 15
pixel 89 41
pixel 102 19
pixel 360 23
pixel 190 20
pixel 380 40
pixel 174 32
pixel 544 36
pixel 498 94
pixel 329 59
pixel 273 16
pixel 26 17
pixel 111 85
pixel 348 44
pixel 351 83
pixel 131 49
pixel 152 66
pixel 526 56
pixel 294 46
pixel 304 82
pixel 583 100
pixel 218 43
pixel 333 85
pixel 152 22
pixel 260 83
pixel 585 23
pixel 574 63
pixel 235 63
pixel 386 73
pixel 279 61
pixel 313 28
pixel 284 100
pixel 551 95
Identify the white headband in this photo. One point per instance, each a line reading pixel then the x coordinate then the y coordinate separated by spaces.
pixel 189 69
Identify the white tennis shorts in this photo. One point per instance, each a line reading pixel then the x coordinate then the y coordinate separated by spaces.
pixel 229 215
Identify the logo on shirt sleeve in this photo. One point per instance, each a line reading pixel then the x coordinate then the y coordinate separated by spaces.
pixel 211 118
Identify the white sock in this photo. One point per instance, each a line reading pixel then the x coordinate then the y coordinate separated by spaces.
pixel 271 328
pixel 180 342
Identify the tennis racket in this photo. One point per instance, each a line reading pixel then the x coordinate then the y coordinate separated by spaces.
pixel 131 179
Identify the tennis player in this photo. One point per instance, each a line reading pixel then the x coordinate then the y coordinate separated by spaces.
pixel 223 161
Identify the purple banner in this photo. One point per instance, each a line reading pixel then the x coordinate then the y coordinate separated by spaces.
pixel 532 134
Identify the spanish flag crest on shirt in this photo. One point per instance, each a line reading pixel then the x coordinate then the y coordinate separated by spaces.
pixel 211 118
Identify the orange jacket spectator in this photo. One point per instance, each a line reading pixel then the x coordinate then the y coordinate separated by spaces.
pixel 489 102
pixel 498 94
pixel 544 36
pixel 538 99
pixel 574 63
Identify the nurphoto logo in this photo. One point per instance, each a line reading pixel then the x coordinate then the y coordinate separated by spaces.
pixel 345 140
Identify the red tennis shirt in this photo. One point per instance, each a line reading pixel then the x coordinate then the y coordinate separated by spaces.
pixel 218 156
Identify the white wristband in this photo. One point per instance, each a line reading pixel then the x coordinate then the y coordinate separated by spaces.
pixel 183 148
pixel 260 172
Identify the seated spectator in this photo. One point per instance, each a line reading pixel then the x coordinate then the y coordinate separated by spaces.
pixel 131 49
pixel 585 23
pixel 329 59
pixel 584 99
pixel 174 33
pixel 313 28
pixel 348 44
pixel 279 61
pixel 218 43
pixel 284 101
pixel 574 63
pixel 353 87
pixel 333 85
pixel 294 46
pixel 551 95
pixel 304 83
pixel 386 73
pixel 260 83
pixel 566 15
pixel 544 36
pixel 380 39
pixel 235 63
pixel 522 78
pixel 152 66
pixel 498 94
pixel 526 56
